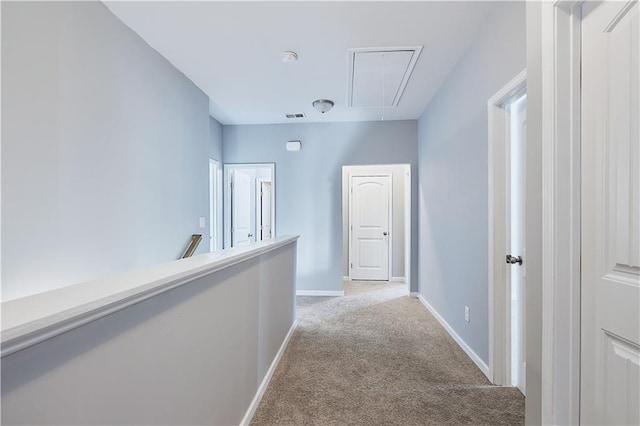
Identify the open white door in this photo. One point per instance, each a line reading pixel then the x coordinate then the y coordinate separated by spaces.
pixel 240 208
pixel 517 243
pixel 215 206
pixel 265 211
pixel 610 352
pixel 370 225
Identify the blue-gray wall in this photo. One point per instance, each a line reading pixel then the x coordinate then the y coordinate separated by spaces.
pixel 309 182
pixel 105 149
pixel 215 138
pixel 453 186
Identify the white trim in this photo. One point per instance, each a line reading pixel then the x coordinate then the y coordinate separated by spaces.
pixel 474 357
pixel 346 278
pixel 407 226
pixel 346 170
pixel 267 378
pixel 34 319
pixel 499 310
pixel 397 279
pixel 324 293
pixel 561 204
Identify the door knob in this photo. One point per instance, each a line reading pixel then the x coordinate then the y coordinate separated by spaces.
pixel 513 260
pixel 250 235
pixel 385 233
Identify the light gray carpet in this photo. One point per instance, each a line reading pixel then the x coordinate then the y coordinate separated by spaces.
pixel 377 356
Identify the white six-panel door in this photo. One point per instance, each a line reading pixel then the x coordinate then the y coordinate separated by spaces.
pixel 370 227
pixel 241 208
pixel 610 308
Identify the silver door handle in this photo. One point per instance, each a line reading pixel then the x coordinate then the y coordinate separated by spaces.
pixel 385 233
pixel 513 260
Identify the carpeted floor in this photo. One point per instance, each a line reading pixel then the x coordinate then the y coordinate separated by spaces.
pixel 377 356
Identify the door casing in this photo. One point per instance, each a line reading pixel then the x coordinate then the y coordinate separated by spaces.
pixel 406 231
pixel 554 159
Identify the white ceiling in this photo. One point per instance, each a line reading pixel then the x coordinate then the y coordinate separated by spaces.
pixel 231 50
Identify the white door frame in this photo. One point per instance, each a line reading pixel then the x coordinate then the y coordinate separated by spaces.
pixel 228 168
pixel 561 209
pixel 384 168
pixel 407 226
pixel 499 292
pixel 390 219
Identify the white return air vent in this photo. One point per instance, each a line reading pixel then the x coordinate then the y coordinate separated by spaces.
pixel 378 76
pixel 296 115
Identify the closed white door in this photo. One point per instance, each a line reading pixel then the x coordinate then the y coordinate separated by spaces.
pixel 610 291
pixel 370 226
pixel 265 210
pixel 240 208
pixel 517 242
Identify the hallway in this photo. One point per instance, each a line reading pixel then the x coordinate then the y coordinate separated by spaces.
pixel 377 356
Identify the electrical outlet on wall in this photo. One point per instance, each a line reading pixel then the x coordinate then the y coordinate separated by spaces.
pixel 466 314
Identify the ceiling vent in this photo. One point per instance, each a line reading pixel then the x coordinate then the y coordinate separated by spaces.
pixel 378 76
pixel 296 115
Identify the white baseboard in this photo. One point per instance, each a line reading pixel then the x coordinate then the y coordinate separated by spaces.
pixel 267 378
pixel 474 357
pixel 324 293
pixel 397 279
pixel 345 278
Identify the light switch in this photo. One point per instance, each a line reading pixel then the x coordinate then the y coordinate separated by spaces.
pixel 203 222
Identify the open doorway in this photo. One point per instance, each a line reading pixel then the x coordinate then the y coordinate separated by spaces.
pixel 507 238
pixel 376 216
pixel 249 194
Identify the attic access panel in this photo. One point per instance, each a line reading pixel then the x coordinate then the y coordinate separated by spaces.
pixel 378 76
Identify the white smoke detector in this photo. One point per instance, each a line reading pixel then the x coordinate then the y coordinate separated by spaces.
pixel 289 56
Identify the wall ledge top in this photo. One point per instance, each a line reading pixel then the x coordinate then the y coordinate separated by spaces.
pixel 30 320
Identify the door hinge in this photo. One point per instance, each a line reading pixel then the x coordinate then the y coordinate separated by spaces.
pixel 351 265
